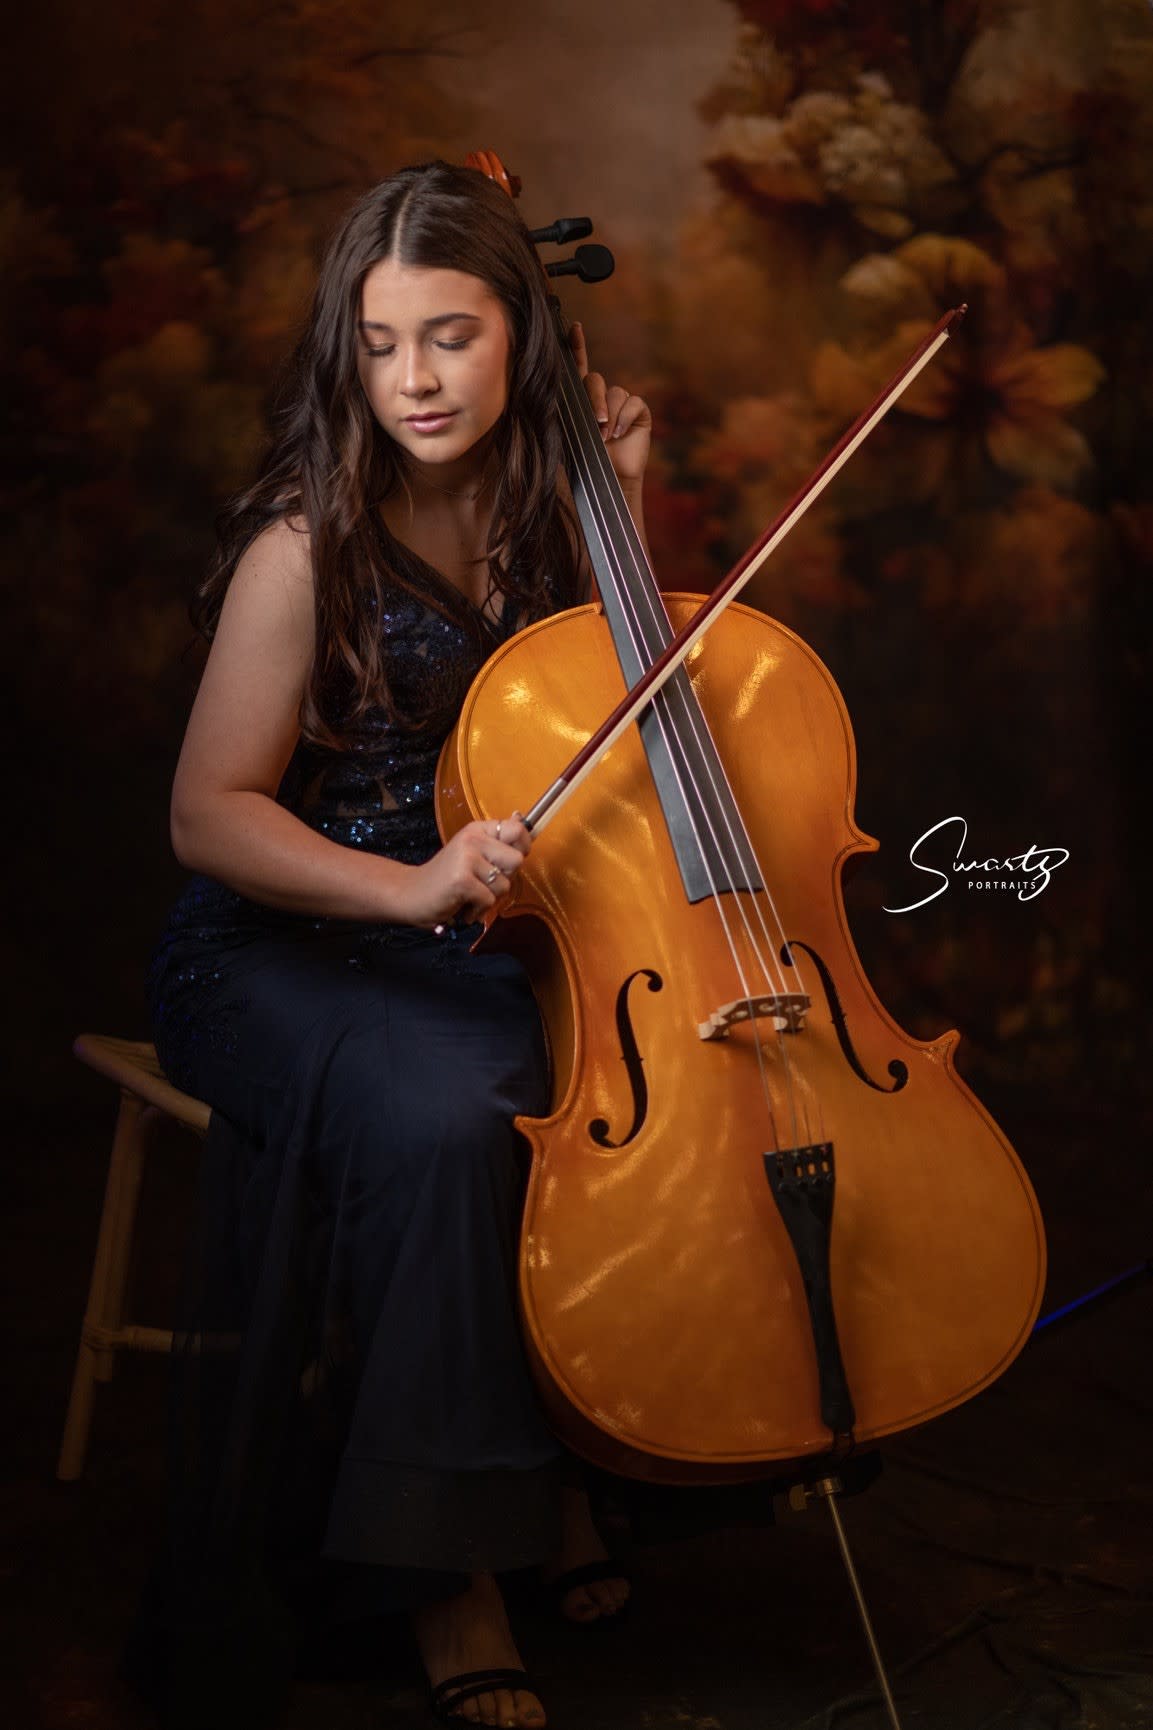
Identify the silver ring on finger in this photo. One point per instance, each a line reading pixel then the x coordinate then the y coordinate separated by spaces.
pixel 492 876
pixel 498 831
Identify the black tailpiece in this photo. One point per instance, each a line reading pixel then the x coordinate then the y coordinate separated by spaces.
pixel 802 1181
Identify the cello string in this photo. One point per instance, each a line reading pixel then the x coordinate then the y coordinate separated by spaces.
pixel 738 834
pixel 682 769
pixel 580 463
pixel 715 892
pixel 579 456
pixel 664 719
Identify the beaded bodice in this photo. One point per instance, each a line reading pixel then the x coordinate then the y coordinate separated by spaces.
pixel 377 794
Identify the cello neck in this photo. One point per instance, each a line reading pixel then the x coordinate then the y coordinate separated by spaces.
pixel 615 548
pixel 704 824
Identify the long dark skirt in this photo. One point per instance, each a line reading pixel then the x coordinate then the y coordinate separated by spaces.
pixel 354 1424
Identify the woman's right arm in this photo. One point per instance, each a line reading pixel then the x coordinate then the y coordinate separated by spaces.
pixel 241 734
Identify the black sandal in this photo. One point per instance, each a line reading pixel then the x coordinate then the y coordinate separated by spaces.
pixel 455 1690
pixel 607 1569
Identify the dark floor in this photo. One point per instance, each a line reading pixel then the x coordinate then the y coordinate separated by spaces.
pixel 1006 1550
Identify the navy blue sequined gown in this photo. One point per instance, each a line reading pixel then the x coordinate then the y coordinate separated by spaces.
pixel 354 1417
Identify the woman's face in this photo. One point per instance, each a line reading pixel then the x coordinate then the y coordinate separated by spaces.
pixel 434 358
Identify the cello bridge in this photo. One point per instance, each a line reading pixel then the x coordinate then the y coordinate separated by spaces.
pixel 785 1009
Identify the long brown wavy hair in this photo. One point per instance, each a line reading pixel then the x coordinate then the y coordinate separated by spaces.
pixel 331 463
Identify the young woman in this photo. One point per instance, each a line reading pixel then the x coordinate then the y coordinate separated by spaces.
pixel 358 1428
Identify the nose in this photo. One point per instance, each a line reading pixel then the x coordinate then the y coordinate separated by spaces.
pixel 418 377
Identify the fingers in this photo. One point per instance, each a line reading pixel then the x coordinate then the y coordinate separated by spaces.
pixel 599 397
pixel 617 411
pixel 476 869
pixel 625 412
pixel 512 831
pixel 594 381
pixel 495 863
pixel 489 863
pixel 576 341
pixel 503 854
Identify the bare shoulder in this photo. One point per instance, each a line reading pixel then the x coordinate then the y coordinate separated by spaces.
pixel 272 587
pixel 267 625
pixel 281 552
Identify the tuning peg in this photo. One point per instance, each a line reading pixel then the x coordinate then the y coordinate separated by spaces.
pixel 590 263
pixel 563 230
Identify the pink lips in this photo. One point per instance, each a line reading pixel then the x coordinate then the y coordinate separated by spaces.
pixel 429 423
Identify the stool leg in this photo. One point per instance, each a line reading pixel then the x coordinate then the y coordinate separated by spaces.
pixel 123 1231
pixel 94 1363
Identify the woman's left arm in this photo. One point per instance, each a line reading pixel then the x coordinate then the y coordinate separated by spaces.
pixel 626 426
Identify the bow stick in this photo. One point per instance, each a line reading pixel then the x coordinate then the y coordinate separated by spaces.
pixel 731 585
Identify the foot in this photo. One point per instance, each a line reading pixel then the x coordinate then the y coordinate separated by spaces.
pixel 471 1632
pixel 580 1543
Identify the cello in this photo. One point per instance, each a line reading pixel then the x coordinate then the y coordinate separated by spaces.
pixel 694 1309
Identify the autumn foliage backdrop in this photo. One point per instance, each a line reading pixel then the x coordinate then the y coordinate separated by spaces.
pixel 978 580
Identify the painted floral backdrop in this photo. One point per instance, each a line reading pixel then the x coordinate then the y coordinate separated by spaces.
pixel 978 580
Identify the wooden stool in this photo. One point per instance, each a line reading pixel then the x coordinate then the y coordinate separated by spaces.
pixel 145 1098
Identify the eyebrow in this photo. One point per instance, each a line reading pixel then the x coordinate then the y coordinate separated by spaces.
pixel 428 324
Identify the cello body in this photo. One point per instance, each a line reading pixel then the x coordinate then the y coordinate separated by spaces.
pixel 664 1308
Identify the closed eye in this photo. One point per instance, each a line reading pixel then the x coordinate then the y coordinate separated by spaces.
pixel 387 348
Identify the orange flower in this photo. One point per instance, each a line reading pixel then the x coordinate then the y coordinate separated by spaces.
pixel 991 384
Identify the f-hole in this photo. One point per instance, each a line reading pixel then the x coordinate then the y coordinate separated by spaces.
pixel 898 1070
pixel 633 1061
